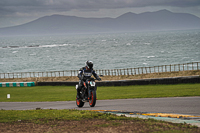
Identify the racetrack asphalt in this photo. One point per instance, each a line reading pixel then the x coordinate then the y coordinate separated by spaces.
pixel 180 105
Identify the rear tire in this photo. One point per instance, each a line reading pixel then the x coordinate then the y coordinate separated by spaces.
pixel 92 100
pixel 79 103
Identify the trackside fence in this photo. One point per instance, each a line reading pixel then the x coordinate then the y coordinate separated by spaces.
pixel 108 72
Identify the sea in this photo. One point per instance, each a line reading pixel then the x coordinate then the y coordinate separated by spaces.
pixel 42 53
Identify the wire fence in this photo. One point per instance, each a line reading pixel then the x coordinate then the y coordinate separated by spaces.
pixel 108 72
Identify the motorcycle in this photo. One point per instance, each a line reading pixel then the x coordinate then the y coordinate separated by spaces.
pixel 87 93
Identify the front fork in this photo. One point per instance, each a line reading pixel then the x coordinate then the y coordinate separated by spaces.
pixel 89 93
pixel 89 89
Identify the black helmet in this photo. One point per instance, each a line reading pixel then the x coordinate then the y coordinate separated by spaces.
pixel 89 64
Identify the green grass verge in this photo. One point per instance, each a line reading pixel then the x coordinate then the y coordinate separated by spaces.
pixel 68 93
pixel 44 115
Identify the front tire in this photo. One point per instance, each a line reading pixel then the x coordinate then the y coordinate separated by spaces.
pixel 92 100
pixel 79 103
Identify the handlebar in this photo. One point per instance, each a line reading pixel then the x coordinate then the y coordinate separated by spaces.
pixel 91 79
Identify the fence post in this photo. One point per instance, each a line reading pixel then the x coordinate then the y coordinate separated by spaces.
pixel 162 68
pixel 170 67
pixel 134 71
pixel 192 66
pixel 174 67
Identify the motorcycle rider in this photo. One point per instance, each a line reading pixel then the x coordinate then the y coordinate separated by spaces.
pixel 84 74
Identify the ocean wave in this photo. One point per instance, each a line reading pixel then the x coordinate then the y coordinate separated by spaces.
pixel 148 56
pixel 54 45
pixel 14 47
pixel 14 52
pixel 147 43
pixel 33 46
pixel 37 46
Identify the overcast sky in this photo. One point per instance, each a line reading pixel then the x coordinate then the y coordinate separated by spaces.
pixel 15 12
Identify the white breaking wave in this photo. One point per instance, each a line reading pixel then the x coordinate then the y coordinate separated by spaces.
pixel 14 52
pixel 36 46
pixel 150 56
pixel 54 45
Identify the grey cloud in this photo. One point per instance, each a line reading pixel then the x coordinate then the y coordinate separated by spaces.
pixel 12 6
pixel 79 4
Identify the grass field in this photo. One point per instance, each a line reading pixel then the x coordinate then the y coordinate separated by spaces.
pixel 68 93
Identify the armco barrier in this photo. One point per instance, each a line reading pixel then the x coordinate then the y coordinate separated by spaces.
pixel 16 84
pixel 174 80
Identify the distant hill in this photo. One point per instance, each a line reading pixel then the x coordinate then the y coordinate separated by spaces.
pixel 128 22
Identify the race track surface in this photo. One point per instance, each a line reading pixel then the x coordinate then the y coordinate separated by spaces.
pixel 182 105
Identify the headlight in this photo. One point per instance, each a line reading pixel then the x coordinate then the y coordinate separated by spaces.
pixel 92 83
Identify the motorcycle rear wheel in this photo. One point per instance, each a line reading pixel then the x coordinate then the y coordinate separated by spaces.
pixel 79 103
pixel 92 100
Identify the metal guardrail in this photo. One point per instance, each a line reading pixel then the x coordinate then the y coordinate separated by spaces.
pixel 108 72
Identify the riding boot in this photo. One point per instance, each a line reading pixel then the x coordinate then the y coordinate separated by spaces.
pixel 78 92
pixel 79 89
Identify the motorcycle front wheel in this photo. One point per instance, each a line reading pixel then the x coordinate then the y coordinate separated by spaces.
pixel 79 103
pixel 92 100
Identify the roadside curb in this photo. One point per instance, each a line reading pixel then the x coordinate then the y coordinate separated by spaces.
pixel 171 80
pixel 168 117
